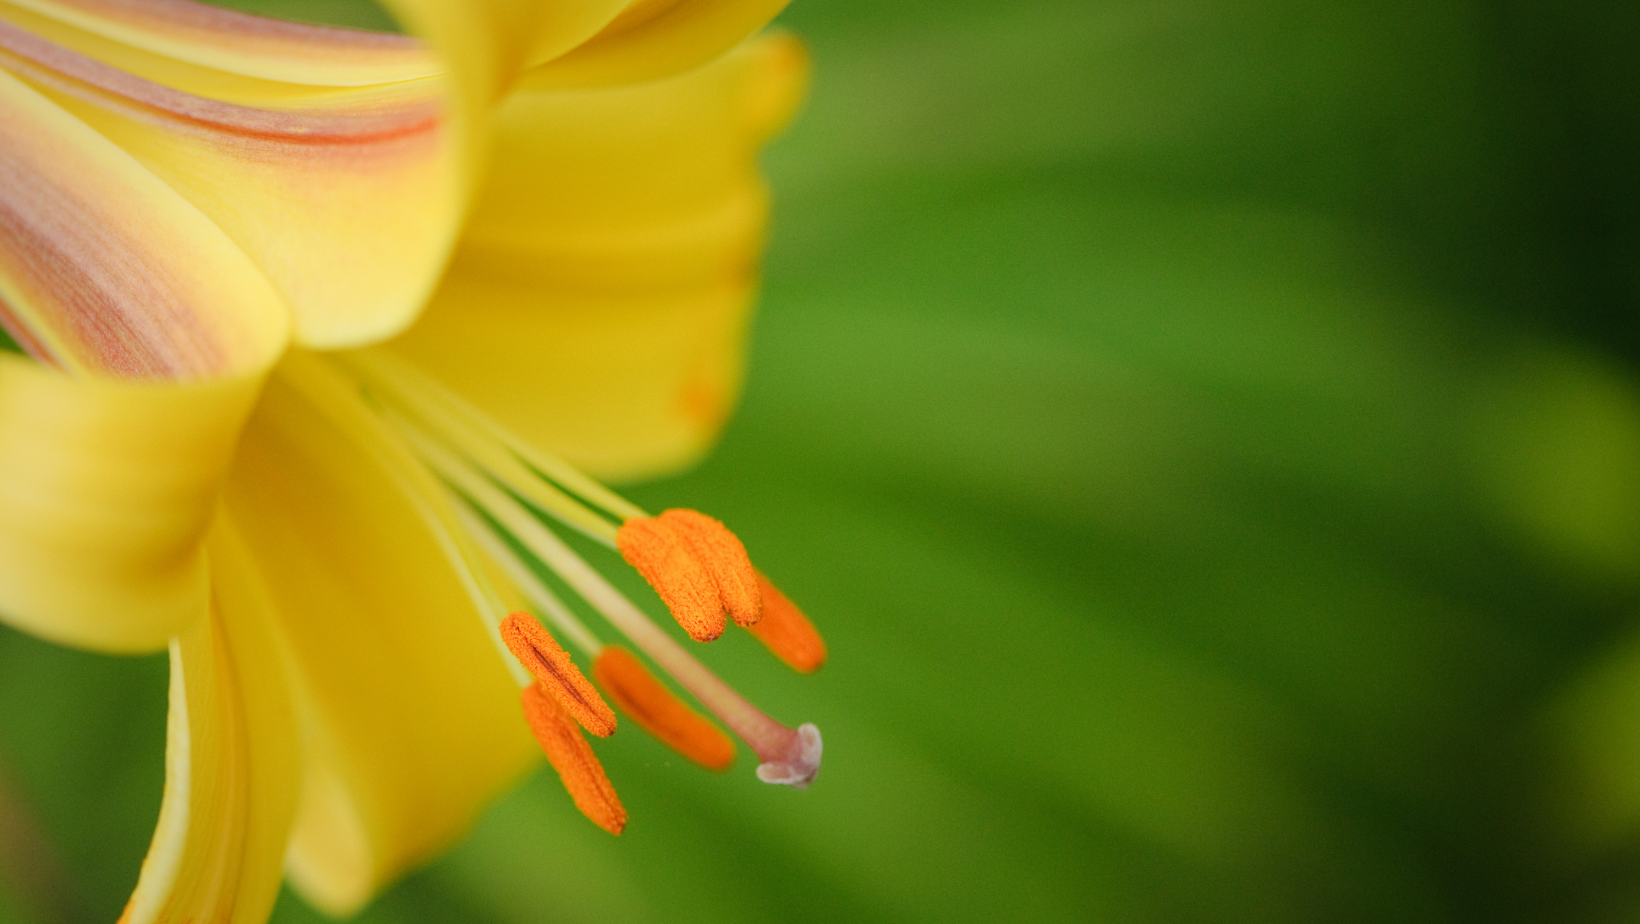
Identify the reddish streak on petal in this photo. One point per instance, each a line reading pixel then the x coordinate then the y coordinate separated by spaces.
pixel 98 288
pixel 213 23
pixel 86 78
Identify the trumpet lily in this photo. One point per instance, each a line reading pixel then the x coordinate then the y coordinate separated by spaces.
pixel 323 328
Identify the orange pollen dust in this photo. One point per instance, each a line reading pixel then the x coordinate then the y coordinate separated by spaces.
pixel 649 703
pixel 572 757
pixel 697 566
pixel 553 670
pixel 725 558
pixel 785 631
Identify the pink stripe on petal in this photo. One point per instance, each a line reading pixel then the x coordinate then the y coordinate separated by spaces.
pixel 360 123
pixel 94 288
pixel 202 20
pixel 242 43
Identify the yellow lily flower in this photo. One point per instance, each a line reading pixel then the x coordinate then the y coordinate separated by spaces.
pixel 208 223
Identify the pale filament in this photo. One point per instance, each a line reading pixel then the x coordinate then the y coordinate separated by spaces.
pixel 540 478
pixel 540 596
pixel 773 742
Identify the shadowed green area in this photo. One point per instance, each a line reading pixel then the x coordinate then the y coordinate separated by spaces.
pixel 1207 434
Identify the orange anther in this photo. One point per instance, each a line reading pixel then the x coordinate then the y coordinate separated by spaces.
pixel 543 657
pixel 666 559
pixel 572 757
pixel 648 702
pixel 721 552
pixel 786 631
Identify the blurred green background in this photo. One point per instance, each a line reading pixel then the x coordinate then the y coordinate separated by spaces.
pixel 1207 434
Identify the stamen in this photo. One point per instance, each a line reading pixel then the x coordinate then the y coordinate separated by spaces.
pixel 791 756
pixel 723 555
pixel 666 559
pixel 556 674
pixel 572 757
pixel 787 632
pixel 697 566
pixel 649 703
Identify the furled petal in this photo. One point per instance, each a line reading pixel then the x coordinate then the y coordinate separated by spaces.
pixel 486 44
pixel 190 46
pixel 346 199
pixel 104 268
pixel 411 716
pixel 106 493
pixel 230 763
pixel 599 300
pixel 335 159
pixel 652 39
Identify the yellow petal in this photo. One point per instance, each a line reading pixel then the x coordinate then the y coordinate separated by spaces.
pixel 346 200
pixel 106 492
pixel 486 44
pixel 411 717
pixel 598 304
pixel 178 43
pixel 654 39
pixel 230 763
pixel 104 268
pixel 343 182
